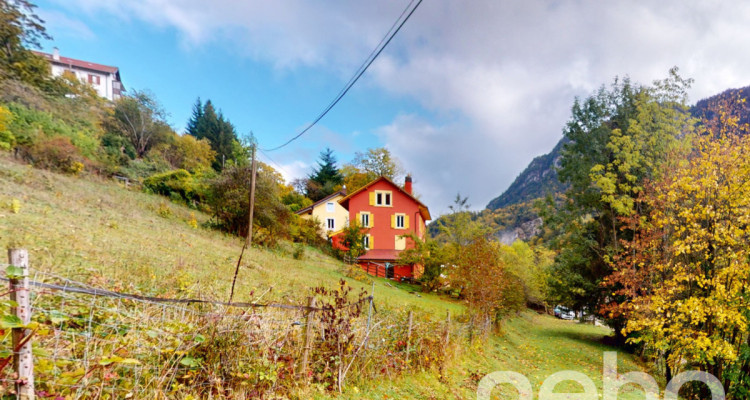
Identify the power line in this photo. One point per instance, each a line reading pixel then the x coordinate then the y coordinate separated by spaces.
pixel 373 55
pixel 365 64
pixel 273 161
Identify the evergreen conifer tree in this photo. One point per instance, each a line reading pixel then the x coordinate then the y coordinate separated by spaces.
pixel 207 123
pixel 325 179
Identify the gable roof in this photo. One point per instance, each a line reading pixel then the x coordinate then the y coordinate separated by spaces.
pixel 422 208
pixel 79 63
pixel 309 208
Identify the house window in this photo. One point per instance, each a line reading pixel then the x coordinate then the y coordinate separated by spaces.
pixel 94 79
pixel 331 224
pixel 366 241
pixel 400 221
pixel 365 220
pixel 383 198
pixel 329 206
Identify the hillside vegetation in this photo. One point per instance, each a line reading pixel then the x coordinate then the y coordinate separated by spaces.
pixel 540 177
pixel 101 233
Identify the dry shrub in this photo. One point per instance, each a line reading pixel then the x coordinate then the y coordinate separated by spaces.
pixel 57 154
pixel 143 350
pixel 356 272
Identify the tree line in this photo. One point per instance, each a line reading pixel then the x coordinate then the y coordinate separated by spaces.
pixel 652 234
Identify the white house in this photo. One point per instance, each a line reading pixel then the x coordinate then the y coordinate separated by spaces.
pixel 103 78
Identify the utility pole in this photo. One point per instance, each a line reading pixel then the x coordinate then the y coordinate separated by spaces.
pixel 249 239
pixel 253 169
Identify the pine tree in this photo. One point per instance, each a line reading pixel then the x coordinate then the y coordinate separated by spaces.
pixel 206 123
pixel 193 125
pixel 325 179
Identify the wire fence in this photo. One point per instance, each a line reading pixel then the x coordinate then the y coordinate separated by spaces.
pixel 91 342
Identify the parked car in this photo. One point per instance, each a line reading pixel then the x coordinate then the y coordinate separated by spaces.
pixel 564 313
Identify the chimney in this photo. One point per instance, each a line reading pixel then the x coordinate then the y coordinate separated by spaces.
pixel 407 185
pixel 56 54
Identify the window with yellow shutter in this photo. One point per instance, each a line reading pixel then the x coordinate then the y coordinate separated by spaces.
pixel 381 198
pixel 365 220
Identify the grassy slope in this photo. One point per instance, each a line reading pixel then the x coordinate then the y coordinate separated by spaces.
pixel 536 346
pixel 111 237
pixel 103 234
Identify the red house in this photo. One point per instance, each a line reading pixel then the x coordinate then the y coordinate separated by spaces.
pixel 387 212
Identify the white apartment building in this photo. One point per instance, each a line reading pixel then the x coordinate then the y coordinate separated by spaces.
pixel 103 78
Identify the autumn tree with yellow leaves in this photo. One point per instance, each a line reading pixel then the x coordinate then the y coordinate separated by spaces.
pixel 685 275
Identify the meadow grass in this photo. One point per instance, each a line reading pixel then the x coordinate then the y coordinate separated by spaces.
pixel 104 234
pixel 101 233
pixel 534 345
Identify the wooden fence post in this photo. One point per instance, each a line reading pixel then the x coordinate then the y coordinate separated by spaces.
pixel 369 311
pixel 471 329
pixel 408 335
pixel 448 329
pixel 308 338
pixel 19 293
pixel 446 341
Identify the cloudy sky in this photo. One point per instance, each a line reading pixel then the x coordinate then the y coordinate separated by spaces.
pixel 466 95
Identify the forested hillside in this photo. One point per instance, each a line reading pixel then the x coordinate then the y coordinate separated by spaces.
pixel 540 177
pixel 537 180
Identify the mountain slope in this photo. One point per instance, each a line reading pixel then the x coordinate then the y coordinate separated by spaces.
pixel 540 177
pixel 706 108
pixel 537 180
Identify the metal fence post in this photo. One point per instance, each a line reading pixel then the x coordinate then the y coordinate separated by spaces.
pixel 19 293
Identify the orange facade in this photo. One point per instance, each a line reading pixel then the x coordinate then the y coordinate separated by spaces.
pixel 387 213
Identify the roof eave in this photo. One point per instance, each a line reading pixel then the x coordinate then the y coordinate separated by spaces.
pixel 319 202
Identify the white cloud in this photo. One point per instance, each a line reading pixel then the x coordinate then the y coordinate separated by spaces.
pixel 286 33
pixel 292 170
pixel 62 24
pixel 497 78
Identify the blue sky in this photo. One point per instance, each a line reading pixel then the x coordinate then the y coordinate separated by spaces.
pixel 270 101
pixel 466 95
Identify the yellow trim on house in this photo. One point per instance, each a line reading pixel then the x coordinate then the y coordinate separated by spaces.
pixel 370 221
pixel 332 233
pixel 394 219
